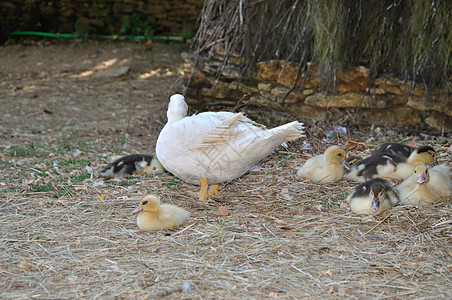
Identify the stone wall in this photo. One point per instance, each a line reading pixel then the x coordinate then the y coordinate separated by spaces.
pixel 384 101
pixel 97 17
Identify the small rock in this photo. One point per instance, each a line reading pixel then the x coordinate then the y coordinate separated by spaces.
pixel 113 72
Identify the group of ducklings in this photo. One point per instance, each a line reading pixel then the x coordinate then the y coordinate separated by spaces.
pixel 423 184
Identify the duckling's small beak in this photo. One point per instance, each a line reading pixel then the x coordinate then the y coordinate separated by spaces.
pixel 138 209
pixel 345 164
pixel 420 178
pixel 375 204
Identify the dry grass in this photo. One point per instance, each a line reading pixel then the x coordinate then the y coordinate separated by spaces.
pixel 266 235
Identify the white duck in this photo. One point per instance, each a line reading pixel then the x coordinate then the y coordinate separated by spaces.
pixel 215 146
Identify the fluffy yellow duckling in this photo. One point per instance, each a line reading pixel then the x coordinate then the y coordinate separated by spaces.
pixel 372 197
pixel 390 165
pixel 426 186
pixel 156 216
pixel 324 168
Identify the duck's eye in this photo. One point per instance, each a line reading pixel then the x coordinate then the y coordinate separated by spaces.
pixel 144 202
pixel 339 154
pixel 426 171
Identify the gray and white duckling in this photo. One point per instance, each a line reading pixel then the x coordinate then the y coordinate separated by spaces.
pixel 426 186
pixel 404 153
pixel 131 164
pixel 393 149
pixel 390 165
pixel 372 197
pixel 372 167
pixel 324 168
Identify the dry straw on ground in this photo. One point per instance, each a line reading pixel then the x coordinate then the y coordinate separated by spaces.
pixel 266 235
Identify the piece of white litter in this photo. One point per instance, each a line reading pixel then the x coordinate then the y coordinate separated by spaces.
pixel 98 183
pixel 77 153
pixel 186 287
pixel 89 169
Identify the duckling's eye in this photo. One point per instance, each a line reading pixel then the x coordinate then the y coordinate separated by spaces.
pixel 144 202
pixel 339 154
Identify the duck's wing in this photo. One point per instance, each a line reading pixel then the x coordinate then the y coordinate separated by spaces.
pixel 226 131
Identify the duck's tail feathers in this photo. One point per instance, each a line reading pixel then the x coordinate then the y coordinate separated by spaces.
pixel 291 131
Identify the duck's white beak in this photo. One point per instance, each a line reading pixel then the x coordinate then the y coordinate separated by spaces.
pixel 420 178
pixel 375 204
pixel 138 209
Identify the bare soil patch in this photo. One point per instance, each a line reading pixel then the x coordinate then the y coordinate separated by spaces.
pixel 65 233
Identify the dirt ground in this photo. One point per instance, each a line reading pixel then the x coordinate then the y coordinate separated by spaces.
pixel 67 108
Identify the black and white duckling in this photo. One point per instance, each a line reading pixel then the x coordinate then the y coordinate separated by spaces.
pixel 404 153
pixel 371 167
pixel 372 197
pixel 156 216
pixel 393 149
pixel 426 186
pixel 130 164
pixel 390 165
pixel 324 168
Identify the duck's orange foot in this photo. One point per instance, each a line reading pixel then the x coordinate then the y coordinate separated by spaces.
pixel 213 189
pixel 203 193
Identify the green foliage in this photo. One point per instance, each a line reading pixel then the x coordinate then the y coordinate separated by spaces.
pixel 42 187
pixel 137 25
pixel 75 161
pixel 81 29
pixel 30 149
pixel 186 33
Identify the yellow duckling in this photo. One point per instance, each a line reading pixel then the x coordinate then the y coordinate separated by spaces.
pixel 324 168
pixel 426 186
pixel 156 216
pixel 372 197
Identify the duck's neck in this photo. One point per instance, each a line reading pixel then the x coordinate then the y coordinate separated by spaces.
pixel 174 116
